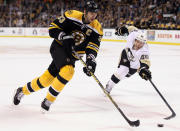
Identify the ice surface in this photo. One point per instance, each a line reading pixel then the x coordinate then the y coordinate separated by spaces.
pixel 82 105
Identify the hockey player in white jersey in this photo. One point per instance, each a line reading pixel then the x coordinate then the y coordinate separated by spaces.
pixel 134 57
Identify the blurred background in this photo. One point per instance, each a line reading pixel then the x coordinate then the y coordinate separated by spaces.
pixel 144 14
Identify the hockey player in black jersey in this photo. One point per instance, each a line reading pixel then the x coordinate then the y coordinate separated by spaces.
pixel 80 30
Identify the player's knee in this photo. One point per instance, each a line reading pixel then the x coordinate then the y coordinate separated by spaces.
pixel 121 72
pixel 67 72
pixel 46 79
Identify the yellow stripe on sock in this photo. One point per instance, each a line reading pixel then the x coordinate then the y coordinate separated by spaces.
pixel 34 85
pixel 25 90
pixel 57 85
pixel 50 97
pixel 67 72
pixel 46 79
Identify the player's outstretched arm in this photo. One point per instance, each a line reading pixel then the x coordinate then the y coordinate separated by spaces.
pixel 124 30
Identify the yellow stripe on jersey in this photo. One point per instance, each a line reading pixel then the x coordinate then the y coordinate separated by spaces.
pixel 97 26
pixel 80 52
pixel 92 48
pixel 59 42
pixel 53 25
pixel 90 43
pixel 74 15
pixel 74 56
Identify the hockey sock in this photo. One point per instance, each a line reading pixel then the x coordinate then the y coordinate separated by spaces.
pixel 38 83
pixel 64 76
pixel 114 79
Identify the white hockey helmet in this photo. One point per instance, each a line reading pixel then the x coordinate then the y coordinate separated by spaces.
pixel 141 37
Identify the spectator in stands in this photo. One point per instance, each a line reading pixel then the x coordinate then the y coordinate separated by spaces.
pixel 149 14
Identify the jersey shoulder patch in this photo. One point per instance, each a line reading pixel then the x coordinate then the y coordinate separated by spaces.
pixel 74 15
pixel 97 27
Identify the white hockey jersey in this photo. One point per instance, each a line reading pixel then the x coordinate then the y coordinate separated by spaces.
pixel 135 56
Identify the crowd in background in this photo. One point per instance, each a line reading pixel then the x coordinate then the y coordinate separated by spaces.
pixel 144 14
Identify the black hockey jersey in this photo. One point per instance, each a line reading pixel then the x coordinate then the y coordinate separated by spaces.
pixel 87 36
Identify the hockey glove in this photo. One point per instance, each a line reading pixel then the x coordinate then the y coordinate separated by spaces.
pixel 68 42
pixel 121 31
pixel 145 73
pixel 91 65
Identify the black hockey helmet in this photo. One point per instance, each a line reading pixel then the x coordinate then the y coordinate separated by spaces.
pixel 91 6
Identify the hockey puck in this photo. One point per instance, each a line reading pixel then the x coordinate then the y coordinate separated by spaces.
pixel 160 125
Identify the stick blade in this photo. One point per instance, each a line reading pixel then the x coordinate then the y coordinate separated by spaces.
pixel 134 123
pixel 171 116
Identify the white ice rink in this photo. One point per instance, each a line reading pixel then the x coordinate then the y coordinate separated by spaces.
pixel 82 105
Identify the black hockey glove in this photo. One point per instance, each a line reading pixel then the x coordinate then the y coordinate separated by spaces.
pixel 91 65
pixel 121 31
pixel 145 73
pixel 68 42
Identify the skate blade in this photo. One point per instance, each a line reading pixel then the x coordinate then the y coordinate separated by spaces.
pixel 43 111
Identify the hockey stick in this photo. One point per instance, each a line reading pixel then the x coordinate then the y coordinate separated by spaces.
pixel 172 111
pixel 131 123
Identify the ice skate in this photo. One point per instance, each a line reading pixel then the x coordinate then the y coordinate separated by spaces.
pixel 45 105
pixel 18 96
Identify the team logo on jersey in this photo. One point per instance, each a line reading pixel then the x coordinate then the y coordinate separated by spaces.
pixel 61 19
pixel 88 32
pixel 78 36
pixel 129 55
